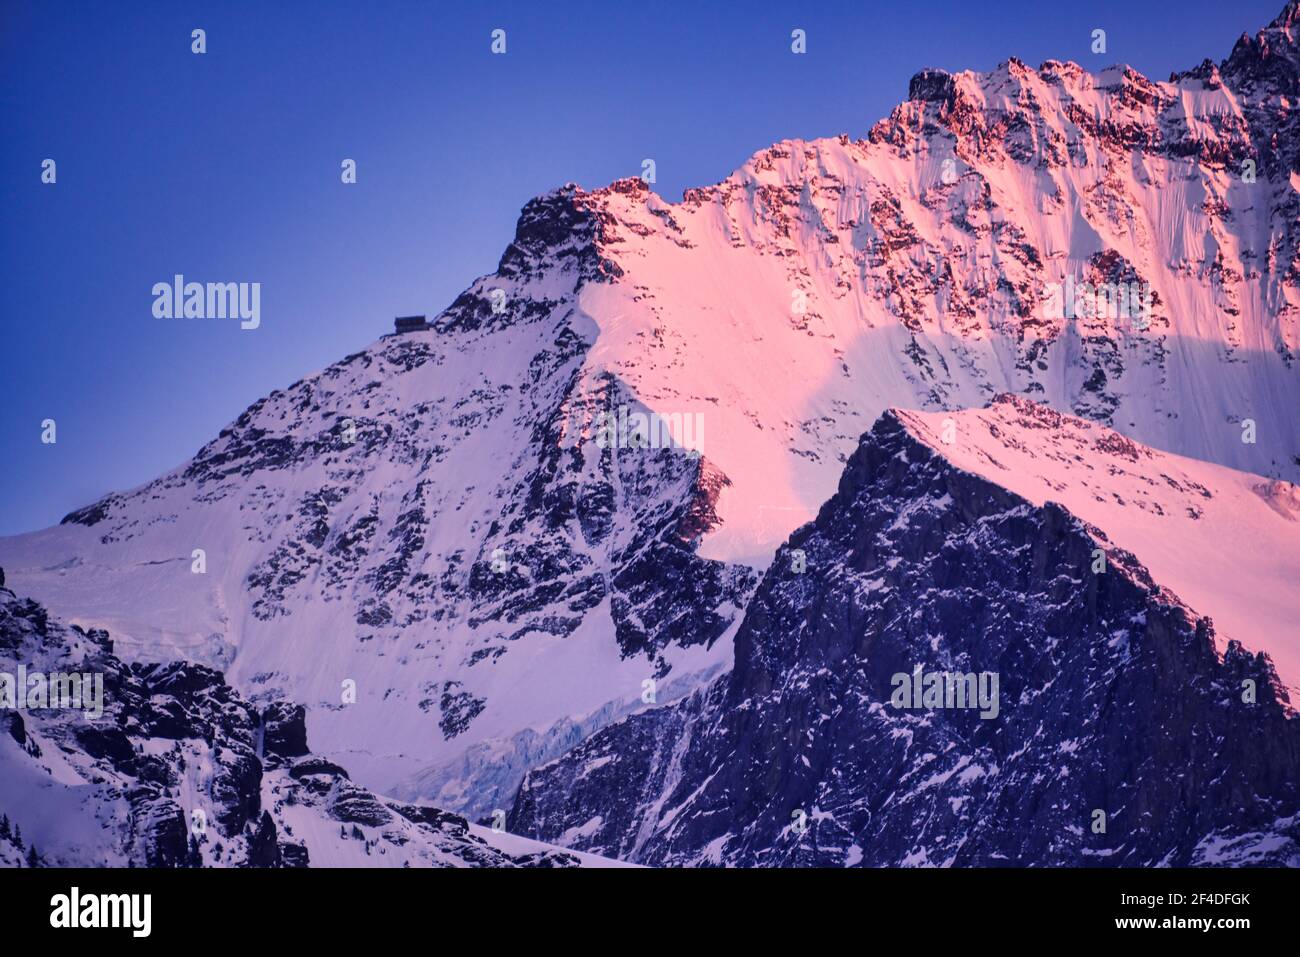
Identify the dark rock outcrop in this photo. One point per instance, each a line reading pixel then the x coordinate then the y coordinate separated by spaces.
pixel 263 848
pixel 284 730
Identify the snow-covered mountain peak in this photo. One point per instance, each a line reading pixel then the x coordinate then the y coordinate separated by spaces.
pixel 444 519
pixel 1227 543
pixel 1272 54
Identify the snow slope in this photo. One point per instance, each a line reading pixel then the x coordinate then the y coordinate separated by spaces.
pixel 1227 543
pixel 179 771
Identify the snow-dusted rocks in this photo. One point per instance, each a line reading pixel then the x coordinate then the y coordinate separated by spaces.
pixel 180 771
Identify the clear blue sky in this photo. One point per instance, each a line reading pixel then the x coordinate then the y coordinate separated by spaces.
pixel 225 167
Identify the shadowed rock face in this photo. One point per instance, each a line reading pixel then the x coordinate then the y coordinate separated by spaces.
pixel 1111 698
pixel 284 730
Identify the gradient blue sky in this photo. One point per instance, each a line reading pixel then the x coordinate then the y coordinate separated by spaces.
pixel 225 167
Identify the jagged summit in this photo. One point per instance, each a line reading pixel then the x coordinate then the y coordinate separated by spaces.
pixel 1270 59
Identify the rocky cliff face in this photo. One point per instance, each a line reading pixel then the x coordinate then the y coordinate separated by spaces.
pixel 1121 732
pixel 180 771
pixel 431 525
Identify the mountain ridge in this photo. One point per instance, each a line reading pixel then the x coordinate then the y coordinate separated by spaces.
pixel 434 519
